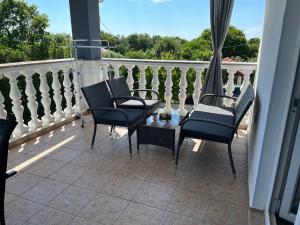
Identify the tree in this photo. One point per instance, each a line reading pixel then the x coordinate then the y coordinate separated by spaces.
pixel 253 44
pixel 235 43
pixel 22 31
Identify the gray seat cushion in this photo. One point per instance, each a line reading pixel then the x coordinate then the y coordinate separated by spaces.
pixel 117 118
pixel 151 105
pixel 209 131
pixel 216 110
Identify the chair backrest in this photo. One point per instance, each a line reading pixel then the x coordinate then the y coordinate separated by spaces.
pixel 97 95
pixel 6 129
pixel 119 88
pixel 243 104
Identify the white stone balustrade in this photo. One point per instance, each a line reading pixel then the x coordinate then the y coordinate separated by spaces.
pixel 13 70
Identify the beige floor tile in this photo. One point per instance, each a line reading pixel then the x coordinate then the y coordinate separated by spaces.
pixel 73 200
pixel 45 168
pixel 88 160
pixel 223 212
pixel 21 183
pixel 104 209
pixel 137 214
pixel 189 205
pixel 135 172
pixel 94 180
pixel 170 178
pixel 154 195
pixel 122 188
pixel 256 217
pixel 69 173
pixel 9 197
pixel 65 154
pixel 82 221
pixel 45 191
pixel 174 219
pixel 50 216
pixel 19 210
pixel 18 161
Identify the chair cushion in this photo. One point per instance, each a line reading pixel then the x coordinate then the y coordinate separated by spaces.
pixel 151 105
pixel 117 118
pixel 209 131
pixel 216 110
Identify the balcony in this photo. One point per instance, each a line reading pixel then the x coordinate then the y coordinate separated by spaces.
pixel 61 180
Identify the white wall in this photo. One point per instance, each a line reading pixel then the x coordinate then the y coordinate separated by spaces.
pixel 275 76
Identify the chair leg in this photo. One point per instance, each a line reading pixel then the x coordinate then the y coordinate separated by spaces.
pixel 129 141
pixel 2 214
pixel 94 135
pixel 112 129
pixel 180 140
pixel 231 161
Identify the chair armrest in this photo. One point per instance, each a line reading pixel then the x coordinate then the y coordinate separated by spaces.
pixel 10 174
pixel 207 121
pixel 112 109
pixel 218 96
pixel 131 98
pixel 146 90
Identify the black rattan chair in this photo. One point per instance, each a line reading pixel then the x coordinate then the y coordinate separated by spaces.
pixel 6 129
pixel 101 105
pixel 119 88
pixel 218 125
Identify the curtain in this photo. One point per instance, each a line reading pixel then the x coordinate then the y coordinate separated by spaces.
pixel 220 13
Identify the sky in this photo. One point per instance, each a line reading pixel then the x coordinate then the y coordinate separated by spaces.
pixel 182 18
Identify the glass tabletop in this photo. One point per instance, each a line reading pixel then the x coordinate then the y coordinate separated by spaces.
pixel 155 120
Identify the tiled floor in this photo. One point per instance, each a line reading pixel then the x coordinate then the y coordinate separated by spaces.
pixel 61 180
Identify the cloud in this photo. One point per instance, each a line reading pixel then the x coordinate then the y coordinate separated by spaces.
pixel 160 1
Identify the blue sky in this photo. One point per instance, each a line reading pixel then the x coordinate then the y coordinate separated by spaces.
pixel 183 18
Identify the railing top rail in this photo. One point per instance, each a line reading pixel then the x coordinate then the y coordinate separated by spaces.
pixel 178 63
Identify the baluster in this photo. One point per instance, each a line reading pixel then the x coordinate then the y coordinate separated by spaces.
pixel 197 88
pixel 246 80
pixel 77 90
pixel 17 107
pixel 56 86
pixel 46 101
pixel 68 93
pixel 117 71
pixel 3 112
pixel 168 92
pixel 130 80
pixel 182 91
pixel 142 82
pixel 230 86
pixel 30 91
pixel 155 82
pixel 104 73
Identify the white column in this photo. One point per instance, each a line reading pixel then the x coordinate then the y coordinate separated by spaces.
pixel 32 104
pixel 246 80
pixel 17 107
pixel 142 82
pixel 3 112
pixel 130 80
pixel 46 101
pixel 168 92
pixel 182 91
pixel 68 93
pixel 56 86
pixel 155 82
pixel 197 88
pixel 230 86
